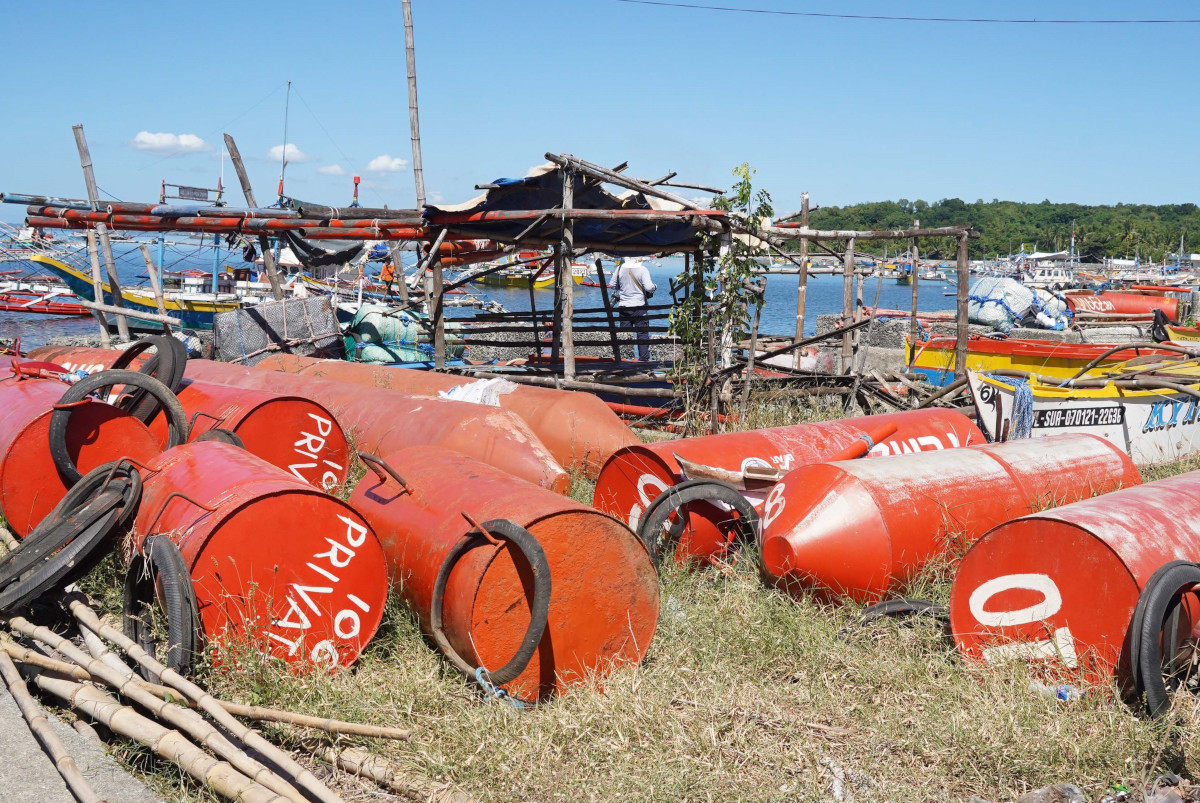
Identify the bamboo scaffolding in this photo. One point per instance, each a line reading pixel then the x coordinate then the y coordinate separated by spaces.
pixel 388 775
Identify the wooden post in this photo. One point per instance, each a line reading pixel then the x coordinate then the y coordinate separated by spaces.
pixel 439 317
pixel 964 280
pixel 110 265
pixel 612 324
pixel 537 339
pixel 556 317
pixel 155 283
pixel 848 305
pixel 264 243
pixel 713 388
pixel 98 289
pixel 566 254
pixel 802 288
pixel 413 120
pixel 750 358
pixel 398 273
pixel 913 329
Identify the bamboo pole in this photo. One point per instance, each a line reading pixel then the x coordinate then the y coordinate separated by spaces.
pixel 205 701
pixel 110 265
pixel 414 124
pixel 848 305
pixel 97 289
pixel 398 273
pixel 40 726
pixel 714 411
pixel 387 775
pixel 556 321
pixel 566 255
pixel 750 359
pixel 155 284
pixel 168 744
pixel 180 718
pixel 802 287
pixel 799 232
pixel 436 303
pixel 121 313
pixel 913 325
pixel 612 324
pixel 264 243
pixel 964 280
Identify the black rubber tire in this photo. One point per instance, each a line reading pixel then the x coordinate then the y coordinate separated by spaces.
pixel 220 436
pixel 1139 616
pixel 905 608
pixel 659 512
pixel 177 422
pixel 1162 595
pixel 166 365
pixel 55 573
pixel 539 608
pixel 159 573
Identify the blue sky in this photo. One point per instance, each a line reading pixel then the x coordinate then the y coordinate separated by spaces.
pixel 849 110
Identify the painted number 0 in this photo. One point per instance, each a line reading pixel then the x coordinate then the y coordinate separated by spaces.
pixel 1061 646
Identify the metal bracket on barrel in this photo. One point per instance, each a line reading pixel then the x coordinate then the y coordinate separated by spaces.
pixel 382 470
pixel 170 496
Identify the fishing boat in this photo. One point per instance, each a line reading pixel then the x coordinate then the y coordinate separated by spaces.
pixel 935 358
pixel 193 310
pixel 1152 415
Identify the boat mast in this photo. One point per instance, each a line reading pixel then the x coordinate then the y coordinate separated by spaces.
pixel 283 156
pixel 413 121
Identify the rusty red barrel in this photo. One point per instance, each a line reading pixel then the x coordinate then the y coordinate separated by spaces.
pixel 382 420
pixel 578 428
pixel 862 528
pixel 604 590
pixel 97 433
pixel 291 432
pixel 1061 585
pixel 633 477
pixel 273 560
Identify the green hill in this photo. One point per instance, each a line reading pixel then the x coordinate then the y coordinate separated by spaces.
pixel 1101 231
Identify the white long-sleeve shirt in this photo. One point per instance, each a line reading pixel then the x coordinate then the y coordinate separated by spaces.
pixel 628 292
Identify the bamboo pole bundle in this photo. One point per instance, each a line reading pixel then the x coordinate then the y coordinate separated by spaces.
pixel 183 719
pixel 164 742
pixel 40 726
pixel 205 701
pixel 388 775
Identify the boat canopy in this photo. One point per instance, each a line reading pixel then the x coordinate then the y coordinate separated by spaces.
pixel 515 206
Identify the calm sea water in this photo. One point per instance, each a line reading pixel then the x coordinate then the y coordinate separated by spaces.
pixel 778 317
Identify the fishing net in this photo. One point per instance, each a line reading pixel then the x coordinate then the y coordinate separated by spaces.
pixel 1003 303
pixel 306 326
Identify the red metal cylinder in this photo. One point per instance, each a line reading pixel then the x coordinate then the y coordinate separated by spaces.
pixel 633 477
pixel 292 569
pixel 578 428
pixel 604 590
pixel 382 421
pixel 862 528
pixel 97 433
pixel 1061 585
pixel 290 432
pixel 1118 303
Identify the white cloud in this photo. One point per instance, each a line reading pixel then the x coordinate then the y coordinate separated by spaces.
pixel 165 142
pixel 294 154
pixel 387 164
pixel 331 170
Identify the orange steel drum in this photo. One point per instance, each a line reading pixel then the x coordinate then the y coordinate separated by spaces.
pixel 578 428
pixel 272 559
pixel 1117 303
pixel 604 590
pixel 633 477
pixel 30 485
pixel 862 528
pixel 1060 586
pixel 291 432
pixel 382 421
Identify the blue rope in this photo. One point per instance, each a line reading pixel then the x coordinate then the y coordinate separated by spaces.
pixel 1021 418
pixel 495 692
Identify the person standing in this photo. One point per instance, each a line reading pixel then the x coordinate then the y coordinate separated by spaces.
pixel 635 288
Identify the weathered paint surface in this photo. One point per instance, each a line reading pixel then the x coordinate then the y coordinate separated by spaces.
pixel 633 477
pixel 1061 585
pixel 294 570
pixel 30 485
pixel 578 428
pixel 863 527
pixel 604 589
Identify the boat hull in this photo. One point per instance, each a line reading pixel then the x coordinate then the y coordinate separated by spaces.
pixel 1150 426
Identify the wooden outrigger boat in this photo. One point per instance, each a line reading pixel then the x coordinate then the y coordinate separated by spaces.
pixel 935 358
pixel 194 310
pixel 1152 411
pixel 53 303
